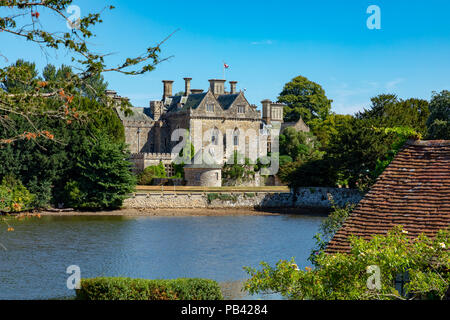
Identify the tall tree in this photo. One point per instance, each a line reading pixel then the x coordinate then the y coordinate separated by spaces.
pixel 439 121
pixel 390 111
pixel 305 99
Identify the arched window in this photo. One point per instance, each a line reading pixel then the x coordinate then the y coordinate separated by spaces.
pixel 215 137
pixel 236 137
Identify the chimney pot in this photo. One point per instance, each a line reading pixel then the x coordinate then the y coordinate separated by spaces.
pixel 168 86
pixel 217 86
pixel 233 85
pixel 187 90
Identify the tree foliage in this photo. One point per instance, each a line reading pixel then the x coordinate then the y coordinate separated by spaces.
pixel 41 162
pixel 152 172
pixel 439 121
pixel 300 146
pixel 345 276
pixel 240 170
pixel 305 99
pixel 22 19
pixel 103 176
pixel 358 148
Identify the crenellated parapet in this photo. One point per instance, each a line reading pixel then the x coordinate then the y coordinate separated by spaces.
pixel 153 156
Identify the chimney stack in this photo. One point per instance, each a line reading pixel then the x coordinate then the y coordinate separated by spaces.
pixel 187 90
pixel 233 85
pixel 168 85
pixel 266 109
pixel 217 86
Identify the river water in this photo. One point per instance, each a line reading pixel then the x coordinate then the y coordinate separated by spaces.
pixel 37 254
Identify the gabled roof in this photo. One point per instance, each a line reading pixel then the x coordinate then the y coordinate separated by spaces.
pixel 226 100
pixel 139 115
pixel 414 191
pixel 193 101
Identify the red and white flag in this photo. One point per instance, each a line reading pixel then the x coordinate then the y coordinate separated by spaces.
pixel 226 66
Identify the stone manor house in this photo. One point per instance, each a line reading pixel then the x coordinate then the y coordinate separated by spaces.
pixel 208 116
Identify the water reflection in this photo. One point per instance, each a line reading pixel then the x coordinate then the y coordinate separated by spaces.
pixel 39 251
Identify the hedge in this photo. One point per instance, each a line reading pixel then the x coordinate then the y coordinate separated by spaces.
pixel 140 289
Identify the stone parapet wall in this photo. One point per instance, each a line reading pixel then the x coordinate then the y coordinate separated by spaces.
pixel 305 197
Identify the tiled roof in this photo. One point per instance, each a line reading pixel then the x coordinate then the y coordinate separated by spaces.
pixel 414 191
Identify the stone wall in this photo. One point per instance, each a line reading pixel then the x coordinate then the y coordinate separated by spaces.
pixel 144 160
pixel 305 197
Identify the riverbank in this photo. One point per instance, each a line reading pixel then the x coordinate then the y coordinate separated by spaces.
pixel 251 198
pixel 193 212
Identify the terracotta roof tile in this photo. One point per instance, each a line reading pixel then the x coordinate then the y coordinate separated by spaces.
pixel 414 191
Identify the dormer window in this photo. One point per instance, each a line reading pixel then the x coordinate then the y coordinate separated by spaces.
pixel 210 107
pixel 241 109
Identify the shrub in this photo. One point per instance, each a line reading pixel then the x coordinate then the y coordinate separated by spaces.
pixel 139 289
pixel 153 172
pixel 346 276
pixel 14 197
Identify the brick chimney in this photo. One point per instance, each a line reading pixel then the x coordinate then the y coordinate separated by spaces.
pixel 168 85
pixel 233 85
pixel 187 86
pixel 217 86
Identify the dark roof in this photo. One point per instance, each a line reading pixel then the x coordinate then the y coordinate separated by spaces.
pixel 139 114
pixel 414 191
pixel 193 101
pixel 226 100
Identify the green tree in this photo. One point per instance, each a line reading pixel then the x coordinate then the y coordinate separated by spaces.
pixel 104 176
pixel 300 146
pixel 389 111
pixel 44 162
pixel 439 121
pixel 305 99
pixel 325 129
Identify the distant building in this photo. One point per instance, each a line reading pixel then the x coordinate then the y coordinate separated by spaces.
pixel 414 191
pixel 212 113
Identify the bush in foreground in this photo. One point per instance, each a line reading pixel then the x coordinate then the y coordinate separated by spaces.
pixel 139 289
pixel 424 261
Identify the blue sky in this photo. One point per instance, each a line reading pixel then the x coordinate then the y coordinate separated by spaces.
pixel 267 43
